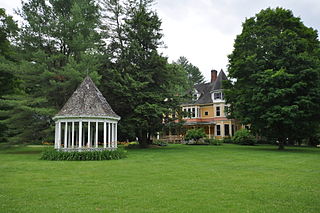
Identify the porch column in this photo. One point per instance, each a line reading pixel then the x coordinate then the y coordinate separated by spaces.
pixel 97 130
pixel 56 135
pixel 209 132
pixel 222 129
pixel 80 134
pixel 72 132
pixel 116 135
pixel 104 134
pixel 109 135
pixel 66 135
pixel 59 135
pixel 230 129
pixel 89 141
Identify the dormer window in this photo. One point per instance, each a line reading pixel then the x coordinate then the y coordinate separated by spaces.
pixel 217 96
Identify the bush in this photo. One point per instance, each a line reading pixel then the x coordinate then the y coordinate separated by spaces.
pixel 244 137
pixel 213 141
pixel 160 143
pixel 227 140
pixel 195 134
pixel 52 154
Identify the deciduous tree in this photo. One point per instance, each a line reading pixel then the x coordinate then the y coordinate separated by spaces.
pixel 275 64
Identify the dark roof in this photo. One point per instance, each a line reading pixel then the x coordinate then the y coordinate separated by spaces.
pixel 205 89
pixel 87 101
pixel 218 83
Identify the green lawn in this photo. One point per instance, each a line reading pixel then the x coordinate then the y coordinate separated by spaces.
pixel 177 178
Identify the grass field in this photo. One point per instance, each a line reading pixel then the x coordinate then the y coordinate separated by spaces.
pixel 177 178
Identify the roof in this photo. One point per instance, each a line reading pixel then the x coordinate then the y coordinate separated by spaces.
pixel 87 101
pixel 205 89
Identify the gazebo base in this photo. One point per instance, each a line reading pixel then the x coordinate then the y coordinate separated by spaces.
pixel 86 149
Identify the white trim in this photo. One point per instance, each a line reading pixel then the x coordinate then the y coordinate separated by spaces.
pixel 86 117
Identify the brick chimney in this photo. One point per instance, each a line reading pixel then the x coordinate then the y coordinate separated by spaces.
pixel 213 75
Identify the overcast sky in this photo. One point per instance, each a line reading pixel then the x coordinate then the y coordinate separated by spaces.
pixel 204 30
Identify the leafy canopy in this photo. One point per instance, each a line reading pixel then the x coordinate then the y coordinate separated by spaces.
pixel 275 64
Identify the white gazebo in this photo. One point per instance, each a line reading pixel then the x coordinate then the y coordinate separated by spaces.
pixel 86 122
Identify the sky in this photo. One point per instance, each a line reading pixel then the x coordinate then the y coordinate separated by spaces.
pixel 204 30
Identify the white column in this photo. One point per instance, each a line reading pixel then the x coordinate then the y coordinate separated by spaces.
pixel 59 135
pixel 97 132
pixel 56 135
pixel 80 134
pixel 109 135
pixel 72 132
pixel 230 129
pixel 66 135
pixel 69 136
pixel 104 134
pixel 116 135
pixel 89 141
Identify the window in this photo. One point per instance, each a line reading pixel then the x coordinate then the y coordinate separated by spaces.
pixel 218 130
pixel 193 112
pixel 217 95
pixel 217 111
pixel 206 113
pixel 226 130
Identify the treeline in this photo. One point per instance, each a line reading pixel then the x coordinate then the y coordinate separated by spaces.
pixel 59 42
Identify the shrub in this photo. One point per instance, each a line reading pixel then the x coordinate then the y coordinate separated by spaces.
pixel 195 134
pixel 213 141
pixel 52 154
pixel 227 140
pixel 160 143
pixel 244 137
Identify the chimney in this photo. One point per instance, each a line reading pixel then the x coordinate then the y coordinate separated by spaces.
pixel 213 75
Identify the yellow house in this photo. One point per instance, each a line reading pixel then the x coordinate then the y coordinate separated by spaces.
pixel 208 110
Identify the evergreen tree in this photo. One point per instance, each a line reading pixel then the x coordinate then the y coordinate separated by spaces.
pixel 58 46
pixel 140 80
pixel 193 72
pixel 275 63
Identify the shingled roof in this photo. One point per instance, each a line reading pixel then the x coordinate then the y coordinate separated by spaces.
pixel 87 101
pixel 205 89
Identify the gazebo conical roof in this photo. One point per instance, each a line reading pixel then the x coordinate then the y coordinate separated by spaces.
pixel 87 101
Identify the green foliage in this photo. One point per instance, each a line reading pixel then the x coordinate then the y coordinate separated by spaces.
pixel 160 143
pixel 52 154
pixel 57 47
pixel 213 141
pixel 244 137
pixel 227 140
pixel 275 67
pixel 142 86
pixel 193 73
pixel 195 134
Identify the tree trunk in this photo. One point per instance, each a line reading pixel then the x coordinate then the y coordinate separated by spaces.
pixel 281 144
pixel 143 140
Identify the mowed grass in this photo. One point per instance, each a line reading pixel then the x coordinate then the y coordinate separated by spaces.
pixel 177 178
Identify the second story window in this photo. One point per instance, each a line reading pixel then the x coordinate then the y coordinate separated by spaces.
pixel 217 111
pixel 206 113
